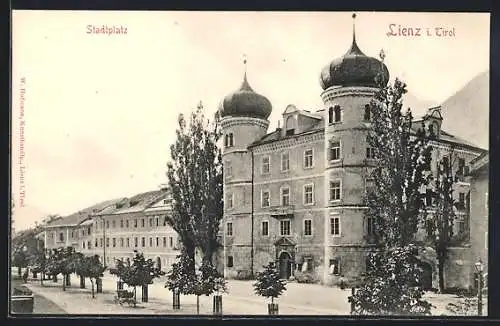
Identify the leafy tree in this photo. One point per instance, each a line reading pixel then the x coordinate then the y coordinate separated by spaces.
pixel 94 270
pixel 62 261
pixel 392 285
pixel 402 168
pixel 440 222
pixel 140 272
pixel 20 261
pixel 195 182
pixel 268 282
pixel 181 278
pixel 38 260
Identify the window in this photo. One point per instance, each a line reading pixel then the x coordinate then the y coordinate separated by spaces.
pixel 370 153
pixel 229 200
pixel 461 226
pixel 143 242
pixel 330 115
pixel 83 244
pixel 171 242
pixel 164 242
pixel 308 265
pixel 461 166
pixel 107 224
pixel 285 227
pixel 121 242
pixel 229 229
pixel 309 194
pixel 335 226
pixel 157 241
pixel 89 230
pixel 307 227
pixel 308 158
pixel 367 115
pixel 135 223
pixel 338 113
pixel 265 165
pixel 128 242
pixel 121 224
pixel 285 196
pixel 126 223
pixel 101 242
pixel 370 225
pixel 83 233
pixel 136 242
pixel 143 224
pixel 290 126
pixel 335 187
pixel 334 151
pixel 334 266
pixel 285 162
pixel 96 243
pixel 150 242
pixel 61 237
pixel 265 228
pixel 229 261
pixel 114 242
pixel 150 222
pixel 229 140
pixel 107 242
pixel 461 200
pixel 265 200
pixel 228 169
pixel 113 223
pixel 157 221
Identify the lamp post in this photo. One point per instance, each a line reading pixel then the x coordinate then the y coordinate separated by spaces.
pixel 479 269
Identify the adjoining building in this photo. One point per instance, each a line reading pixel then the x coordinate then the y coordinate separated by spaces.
pixel 115 228
pixel 296 195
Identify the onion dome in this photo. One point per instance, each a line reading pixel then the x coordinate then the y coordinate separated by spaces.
pixel 245 102
pixel 354 69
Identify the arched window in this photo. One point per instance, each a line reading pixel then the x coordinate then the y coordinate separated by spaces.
pixel 337 112
pixel 367 115
pixel 290 126
pixel 229 140
pixel 330 115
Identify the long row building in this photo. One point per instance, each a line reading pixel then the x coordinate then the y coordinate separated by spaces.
pixel 115 228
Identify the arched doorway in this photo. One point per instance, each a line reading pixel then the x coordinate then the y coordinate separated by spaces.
pixel 285 265
pixel 158 263
pixel 426 275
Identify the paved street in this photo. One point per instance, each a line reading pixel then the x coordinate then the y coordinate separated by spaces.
pixel 299 299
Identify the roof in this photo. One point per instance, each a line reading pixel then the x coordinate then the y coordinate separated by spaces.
pixel 136 203
pixel 480 162
pixel 82 215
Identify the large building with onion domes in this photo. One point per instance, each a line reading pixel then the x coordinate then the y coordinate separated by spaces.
pixel 296 195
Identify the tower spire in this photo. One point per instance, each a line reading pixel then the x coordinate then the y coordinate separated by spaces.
pixel 354 49
pixel 354 28
pixel 245 85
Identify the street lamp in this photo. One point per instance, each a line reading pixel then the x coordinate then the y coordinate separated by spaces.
pixel 479 270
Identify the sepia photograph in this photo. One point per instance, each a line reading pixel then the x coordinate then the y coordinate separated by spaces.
pixel 219 163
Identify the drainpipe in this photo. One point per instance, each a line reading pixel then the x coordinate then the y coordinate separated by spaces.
pixel 252 218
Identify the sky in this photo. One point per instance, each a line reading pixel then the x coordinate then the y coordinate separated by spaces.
pixel 98 112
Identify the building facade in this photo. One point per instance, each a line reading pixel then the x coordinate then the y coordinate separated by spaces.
pixel 115 229
pixel 296 195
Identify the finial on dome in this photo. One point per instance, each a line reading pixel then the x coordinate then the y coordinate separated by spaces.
pixel 354 28
pixel 245 85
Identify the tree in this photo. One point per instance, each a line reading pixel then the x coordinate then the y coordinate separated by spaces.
pixel 140 272
pixel 62 261
pixel 392 286
pixel 95 270
pixel 195 182
pixel 20 260
pixel 440 222
pixel 402 168
pixel 268 282
pixel 38 260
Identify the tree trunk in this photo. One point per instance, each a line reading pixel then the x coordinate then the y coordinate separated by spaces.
pixel 64 282
pixel 144 297
pixel 92 282
pixel 68 280
pixel 54 278
pixel 42 277
pixel 82 282
pixel 197 304
pixel 19 272
pixel 35 274
pixel 441 274
pixel 99 285
pixel 135 294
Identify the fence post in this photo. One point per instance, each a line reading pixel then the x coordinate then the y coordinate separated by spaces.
pixel 353 291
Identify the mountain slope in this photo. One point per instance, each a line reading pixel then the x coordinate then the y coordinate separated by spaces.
pixel 466 113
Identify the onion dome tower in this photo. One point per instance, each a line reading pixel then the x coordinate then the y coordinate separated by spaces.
pixel 349 84
pixel 244 119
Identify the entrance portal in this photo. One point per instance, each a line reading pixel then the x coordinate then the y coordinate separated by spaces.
pixel 426 276
pixel 285 265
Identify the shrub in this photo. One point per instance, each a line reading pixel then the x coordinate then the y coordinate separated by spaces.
pixel 306 278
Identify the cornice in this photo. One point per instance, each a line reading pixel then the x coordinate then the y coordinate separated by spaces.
pixel 357 91
pixel 228 122
pixel 287 143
